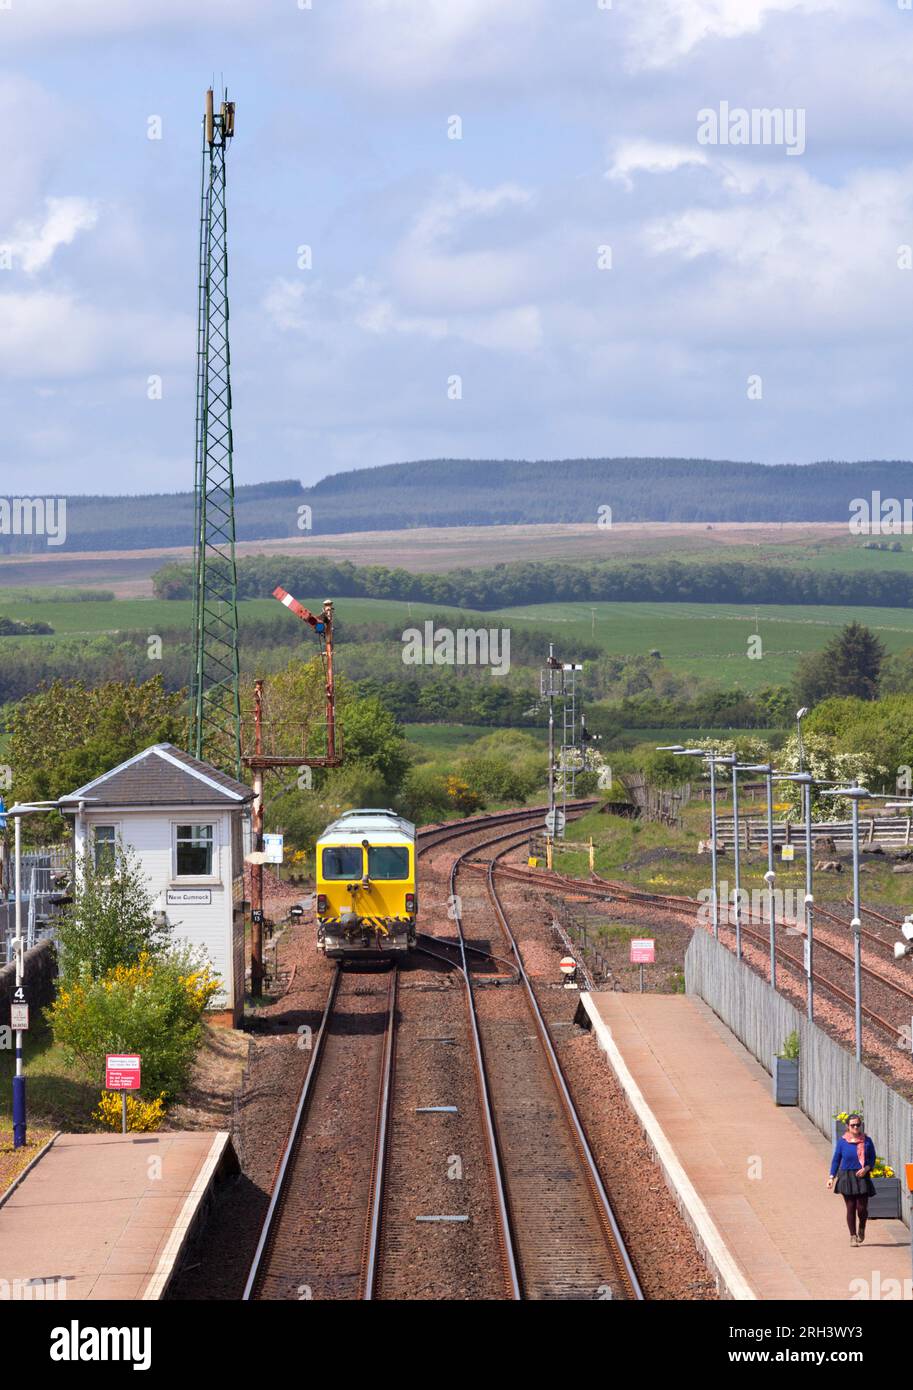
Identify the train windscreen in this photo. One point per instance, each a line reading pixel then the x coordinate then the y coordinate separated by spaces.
pixel 342 861
pixel 388 861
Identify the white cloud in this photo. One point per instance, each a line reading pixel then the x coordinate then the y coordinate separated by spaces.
pixel 30 116
pixel 48 333
pixel 50 20
pixel 792 255
pixel 439 265
pixel 391 42
pixel 652 157
pixel 33 244
pixel 662 34
pixel 342 319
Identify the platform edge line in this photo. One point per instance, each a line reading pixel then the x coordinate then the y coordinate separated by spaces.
pixel 717 1251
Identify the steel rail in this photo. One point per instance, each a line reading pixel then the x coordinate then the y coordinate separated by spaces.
pixel 799 966
pixel 379 1162
pixel 604 1211
pixel 506 1243
pixel 273 1211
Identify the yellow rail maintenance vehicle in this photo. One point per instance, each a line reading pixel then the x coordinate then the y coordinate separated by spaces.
pixel 366 895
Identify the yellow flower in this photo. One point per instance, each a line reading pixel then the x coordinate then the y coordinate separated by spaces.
pixel 142 1115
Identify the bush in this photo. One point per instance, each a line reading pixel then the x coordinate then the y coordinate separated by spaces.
pixel 496 777
pixel 109 923
pixel 142 1115
pixel 429 794
pixel 153 1007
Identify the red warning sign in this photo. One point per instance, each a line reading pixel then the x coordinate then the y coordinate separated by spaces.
pixel 122 1073
pixel 643 951
pixel 568 964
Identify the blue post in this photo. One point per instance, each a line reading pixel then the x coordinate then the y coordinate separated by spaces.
pixel 18 1103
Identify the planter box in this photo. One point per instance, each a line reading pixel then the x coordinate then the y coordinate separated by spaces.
pixel 885 1205
pixel 786 1081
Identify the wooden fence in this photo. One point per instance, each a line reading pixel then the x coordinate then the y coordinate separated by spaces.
pixel 890 832
pixel 655 803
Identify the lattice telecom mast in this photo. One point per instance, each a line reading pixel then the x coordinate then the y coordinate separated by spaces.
pixel 215 730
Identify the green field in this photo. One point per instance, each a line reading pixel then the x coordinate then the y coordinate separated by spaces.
pixel 710 640
pixel 707 640
pixel 438 738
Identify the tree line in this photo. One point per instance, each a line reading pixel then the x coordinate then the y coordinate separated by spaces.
pixel 530 581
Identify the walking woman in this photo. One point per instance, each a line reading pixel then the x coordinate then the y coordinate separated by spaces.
pixel 853 1161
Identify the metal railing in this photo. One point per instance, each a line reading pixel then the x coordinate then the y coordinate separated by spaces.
pixel 830 1079
pixel 40 870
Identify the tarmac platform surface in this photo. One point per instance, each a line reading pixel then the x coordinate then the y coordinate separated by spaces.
pixel 750 1175
pixel 108 1214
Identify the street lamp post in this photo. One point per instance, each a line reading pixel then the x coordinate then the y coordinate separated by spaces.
pixel 804 780
pixel 855 794
pixel 713 852
pixel 19 1108
pixel 679 751
pixel 800 715
pixel 19 1120
pixel 770 877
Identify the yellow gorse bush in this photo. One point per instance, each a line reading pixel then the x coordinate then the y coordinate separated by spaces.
pixel 200 985
pixel 142 1115
pixel 153 1005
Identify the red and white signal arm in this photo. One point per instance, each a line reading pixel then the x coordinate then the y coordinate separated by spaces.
pixel 567 964
pixel 122 1072
pixel 643 951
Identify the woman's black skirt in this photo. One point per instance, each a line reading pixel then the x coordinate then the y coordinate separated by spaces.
pixel 850 1185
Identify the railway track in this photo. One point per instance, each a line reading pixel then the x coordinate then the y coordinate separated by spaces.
pixel 558 1234
pixel 687 906
pixel 327 1233
pixel 321 1232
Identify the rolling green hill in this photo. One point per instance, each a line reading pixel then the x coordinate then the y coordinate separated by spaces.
pixel 485 492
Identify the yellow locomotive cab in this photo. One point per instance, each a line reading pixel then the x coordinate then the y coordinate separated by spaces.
pixel 366 893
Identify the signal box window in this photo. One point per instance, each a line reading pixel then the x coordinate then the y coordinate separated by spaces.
pixel 105 844
pixel 342 861
pixel 388 861
pixel 193 851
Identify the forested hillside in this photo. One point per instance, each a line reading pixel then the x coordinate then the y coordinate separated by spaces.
pixel 463 492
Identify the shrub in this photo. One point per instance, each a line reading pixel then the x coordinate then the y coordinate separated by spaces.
pixel 424 795
pixel 109 923
pixel 496 777
pixel 462 797
pixel 153 1007
pixel 142 1115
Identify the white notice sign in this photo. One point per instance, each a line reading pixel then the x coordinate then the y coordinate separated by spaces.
pixel 272 847
pixel 185 897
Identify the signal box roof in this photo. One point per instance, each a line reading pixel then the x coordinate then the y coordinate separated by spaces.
pixel 160 776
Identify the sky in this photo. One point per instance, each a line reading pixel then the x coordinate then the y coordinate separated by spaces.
pixel 587 270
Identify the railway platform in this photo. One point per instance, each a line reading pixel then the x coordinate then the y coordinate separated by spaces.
pixel 749 1175
pixel 108 1216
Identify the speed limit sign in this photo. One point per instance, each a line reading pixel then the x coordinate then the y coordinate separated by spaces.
pixel 554 822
